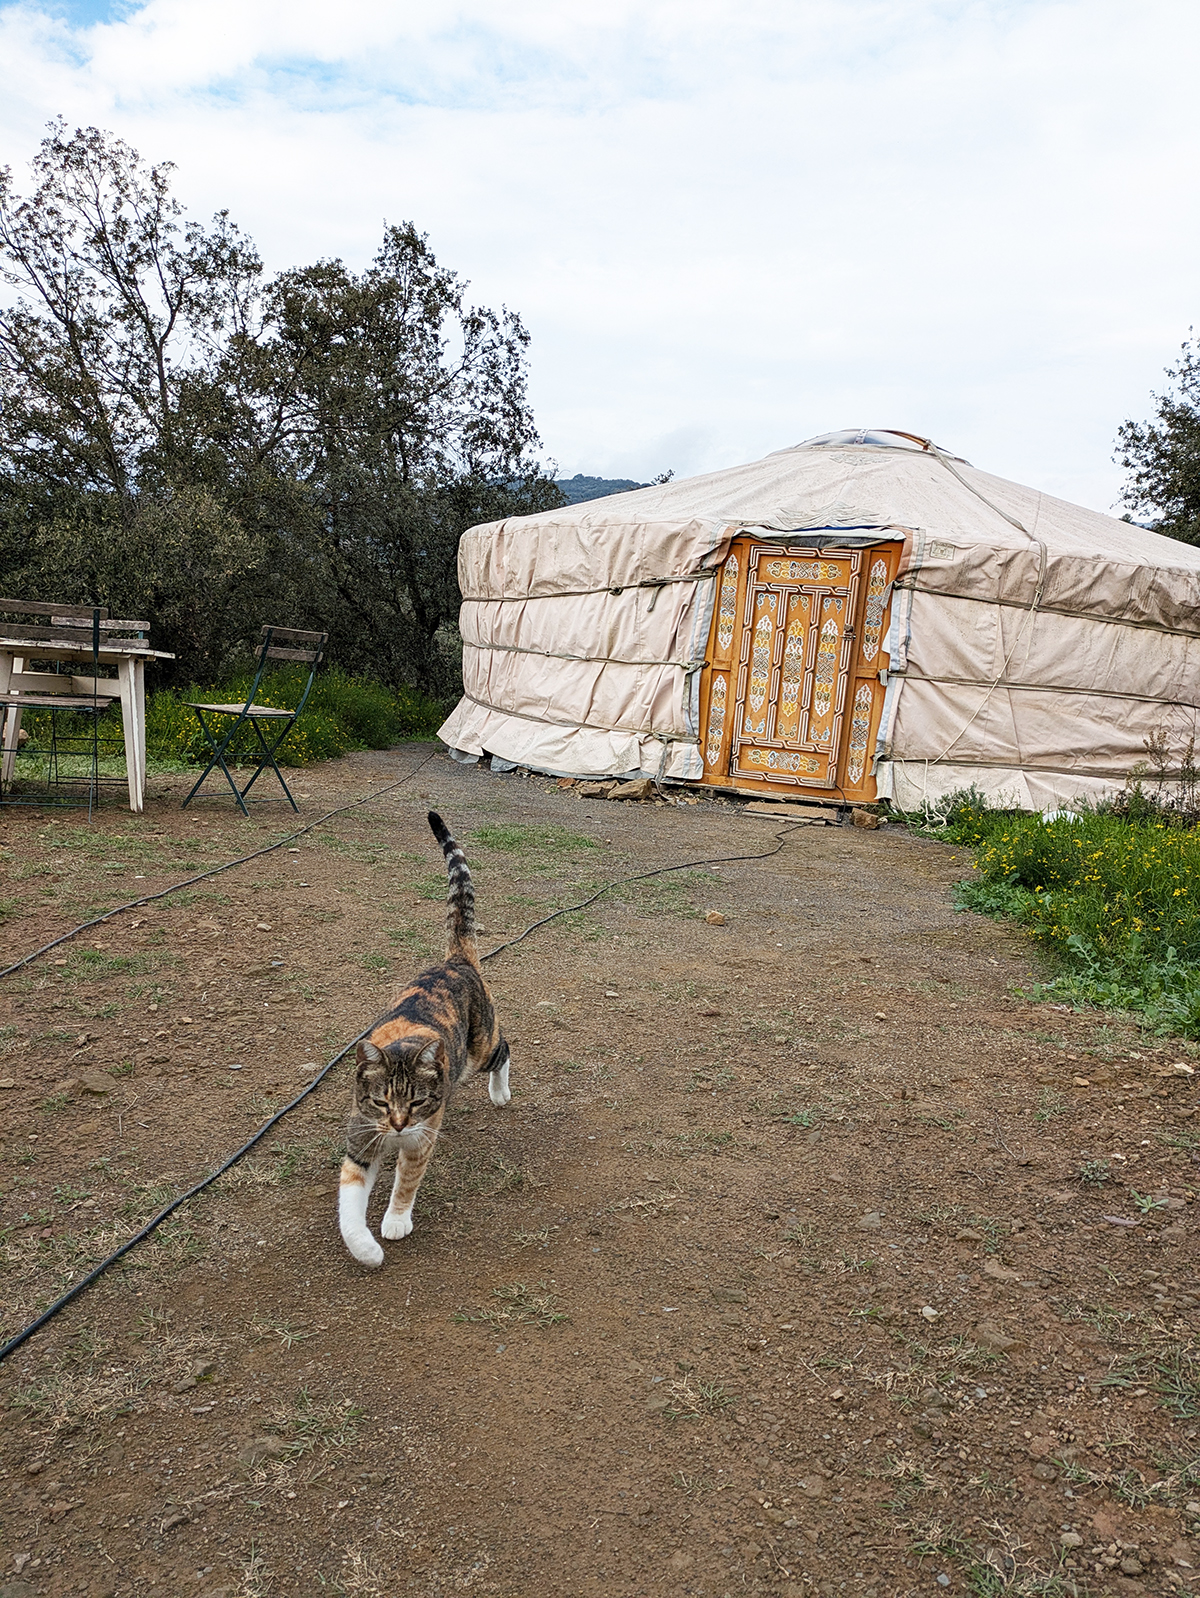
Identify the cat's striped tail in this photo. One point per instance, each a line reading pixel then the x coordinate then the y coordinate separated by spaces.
pixel 460 899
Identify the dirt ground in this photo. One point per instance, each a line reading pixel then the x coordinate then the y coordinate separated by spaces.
pixel 808 1256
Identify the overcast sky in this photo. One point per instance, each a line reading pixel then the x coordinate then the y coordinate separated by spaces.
pixel 728 224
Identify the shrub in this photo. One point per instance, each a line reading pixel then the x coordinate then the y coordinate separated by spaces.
pixel 1118 902
pixel 342 713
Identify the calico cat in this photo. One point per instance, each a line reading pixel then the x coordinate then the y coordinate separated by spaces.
pixel 440 1031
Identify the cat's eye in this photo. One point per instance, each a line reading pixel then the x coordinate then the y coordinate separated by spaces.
pixel 380 1104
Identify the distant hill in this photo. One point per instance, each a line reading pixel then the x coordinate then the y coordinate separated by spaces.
pixel 579 487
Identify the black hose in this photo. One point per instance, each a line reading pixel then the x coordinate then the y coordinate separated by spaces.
pixel 241 860
pixel 169 1209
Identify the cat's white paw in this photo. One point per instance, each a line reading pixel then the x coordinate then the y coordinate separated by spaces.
pixel 498 1088
pixel 396 1224
pixel 364 1248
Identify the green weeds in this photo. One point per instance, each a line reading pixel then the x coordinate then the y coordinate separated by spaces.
pixel 342 713
pixel 519 1305
pixel 1116 900
pixel 514 839
pixel 1171 1370
pixel 1049 1105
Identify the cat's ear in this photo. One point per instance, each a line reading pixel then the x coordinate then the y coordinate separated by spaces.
pixel 367 1054
pixel 430 1055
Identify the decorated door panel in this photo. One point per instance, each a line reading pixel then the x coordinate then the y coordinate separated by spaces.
pixel 716 707
pixel 792 697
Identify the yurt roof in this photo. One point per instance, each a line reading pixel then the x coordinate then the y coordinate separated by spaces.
pixel 875 479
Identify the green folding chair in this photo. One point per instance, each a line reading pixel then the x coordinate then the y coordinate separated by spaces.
pixel 278 643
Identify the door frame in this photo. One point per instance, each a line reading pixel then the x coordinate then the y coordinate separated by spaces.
pixel 846 771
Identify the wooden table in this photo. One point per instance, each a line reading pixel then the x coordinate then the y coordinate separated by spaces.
pixel 128 656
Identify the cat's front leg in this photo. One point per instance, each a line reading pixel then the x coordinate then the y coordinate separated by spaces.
pixel 411 1165
pixel 354 1192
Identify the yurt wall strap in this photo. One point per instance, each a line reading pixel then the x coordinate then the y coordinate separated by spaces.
pixel 591 726
pixel 578 593
pixel 559 654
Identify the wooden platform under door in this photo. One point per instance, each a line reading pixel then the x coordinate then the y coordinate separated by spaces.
pixel 791 697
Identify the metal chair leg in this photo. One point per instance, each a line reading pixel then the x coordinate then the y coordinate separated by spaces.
pixel 268 758
pixel 218 759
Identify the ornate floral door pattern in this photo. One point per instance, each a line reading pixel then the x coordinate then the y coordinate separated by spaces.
pixel 793 693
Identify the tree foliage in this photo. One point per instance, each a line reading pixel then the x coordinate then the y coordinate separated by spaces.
pixel 189 442
pixel 1163 456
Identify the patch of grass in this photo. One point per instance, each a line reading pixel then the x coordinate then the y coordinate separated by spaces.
pixel 1178 1138
pixel 954 1218
pixel 432 885
pixel 691 1486
pixel 695 1402
pixel 1115 898
pixel 519 1305
pixel 288 1336
pixel 1171 1369
pixel 360 1577
pixel 72 1395
pixel 460 1172
pixel 511 838
pixel 1048 1106
pixel 912 1480
pixel 1002 1569
pixel 328 1424
pixel 701 1141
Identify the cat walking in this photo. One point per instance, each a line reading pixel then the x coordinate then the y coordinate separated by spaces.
pixel 440 1031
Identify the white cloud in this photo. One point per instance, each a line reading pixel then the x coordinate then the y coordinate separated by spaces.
pixel 728 226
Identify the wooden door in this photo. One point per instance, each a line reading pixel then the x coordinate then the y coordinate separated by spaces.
pixel 792 696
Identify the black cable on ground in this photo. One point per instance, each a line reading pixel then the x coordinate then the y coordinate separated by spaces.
pixel 686 865
pixel 169 1209
pixel 241 860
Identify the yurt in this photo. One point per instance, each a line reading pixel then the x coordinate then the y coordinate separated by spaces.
pixel 863 616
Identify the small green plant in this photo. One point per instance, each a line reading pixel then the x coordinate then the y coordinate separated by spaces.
pixel 1049 1105
pixel 804 1117
pixel 688 1402
pixel 1093 1172
pixel 1146 1202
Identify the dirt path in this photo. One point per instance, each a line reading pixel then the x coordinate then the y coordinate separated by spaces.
pixel 779 1274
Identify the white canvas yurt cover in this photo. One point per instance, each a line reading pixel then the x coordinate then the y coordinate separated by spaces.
pixel 861 616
